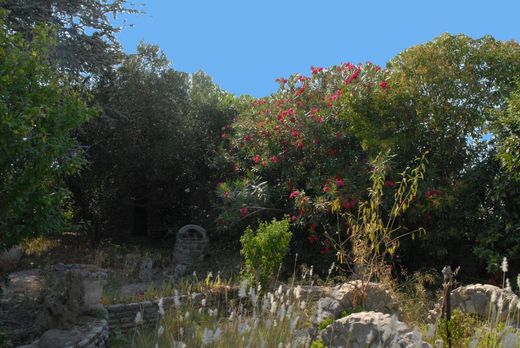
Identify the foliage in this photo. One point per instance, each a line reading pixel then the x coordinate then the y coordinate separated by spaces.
pixel 371 236
pixel 324 323
pixel 226 324
pixel 265 249
pixel 86 35
pixel 444 97
pixel 154 145
pixel 318 344
pixel 508 136
pixel 38 113
pixel 294 153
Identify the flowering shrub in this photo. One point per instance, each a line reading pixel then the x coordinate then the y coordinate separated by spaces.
pixel 294 152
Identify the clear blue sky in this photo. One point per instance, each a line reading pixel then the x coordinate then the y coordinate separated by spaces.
pixel 244 45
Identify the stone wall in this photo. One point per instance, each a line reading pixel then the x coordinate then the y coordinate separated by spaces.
pixel 91 334
pixel 121 317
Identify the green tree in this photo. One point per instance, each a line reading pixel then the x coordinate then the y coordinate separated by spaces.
pixel 86 36
pixel 507 132
pixel 444 97
pixel 153 146
pixel 38 113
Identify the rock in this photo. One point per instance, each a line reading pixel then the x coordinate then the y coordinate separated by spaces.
pixel 24 283
pixel 85 281
pixel 134 289
pixel 146 271
pixel 476 299
pixel 11 256
pixel 59 338
pixel 353 296
pixel 180 270
pixel 370 329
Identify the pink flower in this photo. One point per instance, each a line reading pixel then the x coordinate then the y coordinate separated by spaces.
pixel 274 159
pixel 313 227
pixel 340 182
pixel 256 159
pixel 326 188
pixel 244 212
pixel 294 194
pixel 382 84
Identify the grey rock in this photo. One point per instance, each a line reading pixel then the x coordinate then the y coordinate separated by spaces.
pixel 371 329
pixel 59 338
pixel 355 295
pixel 476 299
pixel 146 270
pixel 12 256
pixel 134 289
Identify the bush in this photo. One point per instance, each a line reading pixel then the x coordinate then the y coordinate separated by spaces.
pixel 264 250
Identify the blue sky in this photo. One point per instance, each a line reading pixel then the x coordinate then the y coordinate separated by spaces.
pixel 244 45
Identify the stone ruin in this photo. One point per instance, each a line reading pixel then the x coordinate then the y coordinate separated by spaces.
pixel 76 289
pixel 191 246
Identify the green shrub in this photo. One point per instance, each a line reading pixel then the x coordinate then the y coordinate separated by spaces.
pixel 318 344
pixel 264 250
pixel 324 323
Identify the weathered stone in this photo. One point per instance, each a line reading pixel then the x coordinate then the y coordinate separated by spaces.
pixel 355 295
pixel 11 256
pixel 134 289
pixel 477 299
pixel 146 271
pixel 370 329
pixel 59 338
pixel 24 283
pixel 88 282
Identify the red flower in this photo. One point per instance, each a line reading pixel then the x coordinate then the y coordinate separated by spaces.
pixel 432 193
pixel 389 183
pixel 256 159
pixel 294 194
pixel 315 70
pixel 325 250
pixel 244 212
pixel 326 188
pixel 313 227
pixel 340 183
pixel 274 159
pixel 382 84
pixel 346 204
